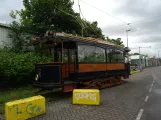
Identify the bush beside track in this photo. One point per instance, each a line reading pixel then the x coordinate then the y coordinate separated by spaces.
pixel 17 69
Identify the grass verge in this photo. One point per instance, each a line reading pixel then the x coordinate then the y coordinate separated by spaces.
pixel 29 91
pixel 15 94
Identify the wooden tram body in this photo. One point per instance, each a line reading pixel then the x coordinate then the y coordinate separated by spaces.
pixel 81 63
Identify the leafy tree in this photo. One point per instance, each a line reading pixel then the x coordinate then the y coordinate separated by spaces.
pixel 92 30
pixel 117 41
pixel 38 16
pixel 136 53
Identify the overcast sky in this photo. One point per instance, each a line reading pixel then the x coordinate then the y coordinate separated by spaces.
pixel 144 32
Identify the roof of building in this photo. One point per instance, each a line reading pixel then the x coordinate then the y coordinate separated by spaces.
pixel 4 25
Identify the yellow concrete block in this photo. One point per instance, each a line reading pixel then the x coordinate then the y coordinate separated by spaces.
pixel 25 108
pixel 133 72
pixel 86 96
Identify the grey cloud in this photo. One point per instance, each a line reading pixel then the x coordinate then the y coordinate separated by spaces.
pixel 5 8
pixel 144 32
pixel 138 8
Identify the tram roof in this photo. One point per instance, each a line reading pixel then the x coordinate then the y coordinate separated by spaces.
pixel 88 40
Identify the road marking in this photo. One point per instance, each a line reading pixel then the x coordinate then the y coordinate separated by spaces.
pixel 150 90
pixel 146 99
pixel 140 114
pixel 152 85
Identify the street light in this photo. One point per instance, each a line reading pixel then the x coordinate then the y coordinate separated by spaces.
pixel 158 56
pixel 158 53
pixel 127 44
pixel 127 36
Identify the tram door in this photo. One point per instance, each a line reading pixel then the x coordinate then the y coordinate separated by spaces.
pixel 69 61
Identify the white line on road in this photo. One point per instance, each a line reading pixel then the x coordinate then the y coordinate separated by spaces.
pixel 146 99
pixel 140 114
pixel 150 90
pixel 152 85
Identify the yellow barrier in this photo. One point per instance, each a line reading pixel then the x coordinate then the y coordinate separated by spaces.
pixel 86 96
pixel 25 108
pixel 133 72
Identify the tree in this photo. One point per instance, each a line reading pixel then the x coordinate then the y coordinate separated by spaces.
pixel 91 29
pixel 136 53
pixel 38 16
pixel 117 41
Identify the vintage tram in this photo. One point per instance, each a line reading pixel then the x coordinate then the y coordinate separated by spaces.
pixel 80 62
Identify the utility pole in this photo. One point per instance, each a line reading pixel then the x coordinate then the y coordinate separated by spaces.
pixel 127 37
pixel 127 45
pixel 80 17
pixel 139 56
pixel 158 56
pixel 158 53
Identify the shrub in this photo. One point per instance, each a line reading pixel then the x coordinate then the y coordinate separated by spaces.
pixel 18 69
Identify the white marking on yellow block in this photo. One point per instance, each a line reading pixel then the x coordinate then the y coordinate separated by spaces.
pixel 25 108
pixel 86 96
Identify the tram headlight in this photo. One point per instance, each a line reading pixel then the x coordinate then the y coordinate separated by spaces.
pixel 37 77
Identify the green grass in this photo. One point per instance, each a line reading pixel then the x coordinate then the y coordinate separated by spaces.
pixel 15 94
pixel 25 92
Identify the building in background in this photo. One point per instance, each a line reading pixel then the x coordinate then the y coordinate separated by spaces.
pixel 5 40
pixel 154 61
pixel 4 36
pixel 138 62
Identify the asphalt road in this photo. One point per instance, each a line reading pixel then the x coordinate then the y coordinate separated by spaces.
pixel 138 99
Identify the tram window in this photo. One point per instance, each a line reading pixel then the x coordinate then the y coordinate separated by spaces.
pixel 57 55
pixel 108 51
pixel 117 56
pixel 91 54
pixel 65 55
pixel 71 54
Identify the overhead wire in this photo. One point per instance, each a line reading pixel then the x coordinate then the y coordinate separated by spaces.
pixel 107 14
pixel 141 38
pixel 77 19
pixel 89 25
pixel 83 22
pixel 154 17
pixel 146 19
pixel 125 23
pixel 104 12
pixel 139 21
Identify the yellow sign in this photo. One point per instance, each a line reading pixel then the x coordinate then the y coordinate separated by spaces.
pixel 86 96
pixel 25 108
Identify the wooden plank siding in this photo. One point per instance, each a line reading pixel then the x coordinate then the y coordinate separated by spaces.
pixel 101 67
pixel 91 67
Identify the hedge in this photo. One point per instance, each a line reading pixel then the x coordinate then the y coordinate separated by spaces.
pixel 18 69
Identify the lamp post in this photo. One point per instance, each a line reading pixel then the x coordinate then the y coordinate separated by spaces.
pixel 127 37
pixel 158 53
pixel 127 45
pixel 158 56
